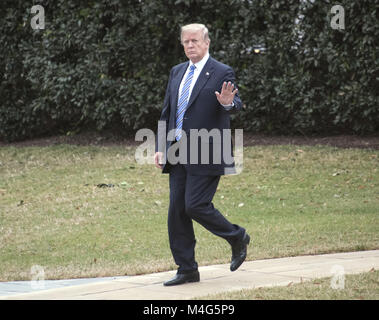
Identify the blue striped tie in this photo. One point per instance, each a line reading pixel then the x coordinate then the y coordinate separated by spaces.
pixel 182 103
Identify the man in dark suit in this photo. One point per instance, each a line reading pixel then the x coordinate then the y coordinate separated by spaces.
pixel 199 98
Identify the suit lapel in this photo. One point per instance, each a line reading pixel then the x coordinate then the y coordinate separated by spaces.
pixel 176 83
pixel 201 81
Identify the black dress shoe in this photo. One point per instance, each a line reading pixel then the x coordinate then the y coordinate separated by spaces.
pixel 239 251
pixel 181 278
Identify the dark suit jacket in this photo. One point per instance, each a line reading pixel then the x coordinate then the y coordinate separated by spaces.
pixel 203 112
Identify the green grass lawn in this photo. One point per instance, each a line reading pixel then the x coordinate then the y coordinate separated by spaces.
pixel 293 200
pixel 363 286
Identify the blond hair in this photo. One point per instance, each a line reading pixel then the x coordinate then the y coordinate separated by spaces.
pixel 195 27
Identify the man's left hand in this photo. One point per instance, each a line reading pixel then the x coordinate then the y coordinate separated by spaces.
pixel 227 93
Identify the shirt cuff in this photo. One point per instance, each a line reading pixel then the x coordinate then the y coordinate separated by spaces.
pixel 228 107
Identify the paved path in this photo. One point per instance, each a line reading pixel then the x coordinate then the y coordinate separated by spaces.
pixel 214 279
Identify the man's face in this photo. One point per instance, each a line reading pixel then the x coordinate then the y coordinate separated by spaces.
pixel 195 47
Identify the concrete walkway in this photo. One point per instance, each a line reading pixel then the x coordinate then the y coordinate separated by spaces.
pixel 214 279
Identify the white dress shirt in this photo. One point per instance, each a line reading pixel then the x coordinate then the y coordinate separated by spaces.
pixel 199 67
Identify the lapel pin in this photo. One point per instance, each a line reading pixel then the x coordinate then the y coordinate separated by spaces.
pixel 207 74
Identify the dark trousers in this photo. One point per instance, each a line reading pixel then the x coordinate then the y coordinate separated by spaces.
pixel 191 198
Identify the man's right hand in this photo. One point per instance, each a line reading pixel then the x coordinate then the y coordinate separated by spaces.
pixel 158 157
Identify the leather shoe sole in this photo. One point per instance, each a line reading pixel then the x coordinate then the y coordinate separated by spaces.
pixel 181 278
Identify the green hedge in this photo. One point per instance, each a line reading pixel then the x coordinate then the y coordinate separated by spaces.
pixel 104 64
